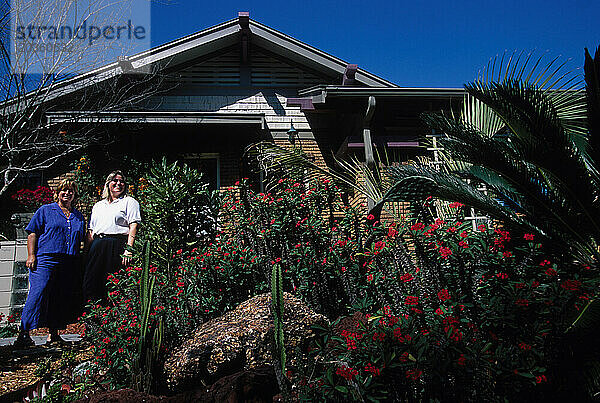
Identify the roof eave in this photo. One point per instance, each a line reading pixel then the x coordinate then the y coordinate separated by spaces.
pixel 323 91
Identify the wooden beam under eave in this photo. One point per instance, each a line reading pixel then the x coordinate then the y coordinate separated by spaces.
pixel 368 143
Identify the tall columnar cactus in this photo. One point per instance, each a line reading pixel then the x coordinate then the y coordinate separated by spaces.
pixel 148 349
pixel 277 308
pixel 279 347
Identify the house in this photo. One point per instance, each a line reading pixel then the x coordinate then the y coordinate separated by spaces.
pixel 240 82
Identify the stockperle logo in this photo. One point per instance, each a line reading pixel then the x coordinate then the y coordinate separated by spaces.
pixel 66 37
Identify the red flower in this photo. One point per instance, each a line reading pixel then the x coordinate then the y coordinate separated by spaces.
pixel 372 369
pixel 455 205
pixel 540 379
pixel 411 300
pixel 417 226
pixel 571 285
pixel 370 217
pixel 414 374
pixel 347 372
pixel 551 272
pixel 379 245
pixel 461 360
pixel 406 277
pixel 445 252
pixel 528 237
pixel 443 295
pixel 524 346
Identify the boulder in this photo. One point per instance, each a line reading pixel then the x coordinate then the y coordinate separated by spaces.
pixel 240 340
pixel 252 386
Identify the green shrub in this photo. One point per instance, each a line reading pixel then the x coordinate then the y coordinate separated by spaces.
pixel 479 317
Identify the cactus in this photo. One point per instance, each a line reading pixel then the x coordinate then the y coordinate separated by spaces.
pixel 148 349
pixel 277 308
pixel 279 347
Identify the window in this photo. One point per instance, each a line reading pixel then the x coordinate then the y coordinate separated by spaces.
pixel 208 164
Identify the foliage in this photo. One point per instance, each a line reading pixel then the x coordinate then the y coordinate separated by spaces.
pixel 58 388
pixel 9 328
pixel 150 336
pixel 479 317
pixel 293 227
pixel 523 134
pixel 90 175
pixel 179 210
pixel 141 298
pixel 277 307
pixel 31 200
pixel 89 182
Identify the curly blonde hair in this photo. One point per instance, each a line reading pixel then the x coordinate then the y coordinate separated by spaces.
pixel 65 184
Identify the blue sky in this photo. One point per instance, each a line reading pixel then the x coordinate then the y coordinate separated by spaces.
pixel 414 44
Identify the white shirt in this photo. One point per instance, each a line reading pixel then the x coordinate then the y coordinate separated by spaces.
pixel 114 217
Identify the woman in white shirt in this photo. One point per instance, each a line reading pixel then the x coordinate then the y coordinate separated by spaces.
pixel 113 224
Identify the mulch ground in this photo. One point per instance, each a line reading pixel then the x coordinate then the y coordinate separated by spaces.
pixel 18 370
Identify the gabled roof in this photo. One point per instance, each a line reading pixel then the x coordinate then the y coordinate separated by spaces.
pixel 207 41
pixel 227 34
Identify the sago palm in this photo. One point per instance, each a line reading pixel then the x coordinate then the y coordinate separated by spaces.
pixel 531 137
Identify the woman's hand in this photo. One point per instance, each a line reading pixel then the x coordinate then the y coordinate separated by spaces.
pixel 126 257
pixel 30 262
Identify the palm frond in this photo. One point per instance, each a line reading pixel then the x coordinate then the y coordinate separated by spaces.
pixel 481 117
pixel 592 79
pixel 416 183
pixel 540 138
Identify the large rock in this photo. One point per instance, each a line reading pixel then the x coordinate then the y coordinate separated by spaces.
pixel 252 386
pixel 240 340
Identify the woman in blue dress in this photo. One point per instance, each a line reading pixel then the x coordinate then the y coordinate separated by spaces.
pixel 53 247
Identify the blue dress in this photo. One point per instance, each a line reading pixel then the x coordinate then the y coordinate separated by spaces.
pixel 53 280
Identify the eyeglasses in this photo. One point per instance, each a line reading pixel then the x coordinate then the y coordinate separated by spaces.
pixel 118 181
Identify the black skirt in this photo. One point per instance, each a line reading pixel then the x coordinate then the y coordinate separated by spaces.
pixel 104 258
